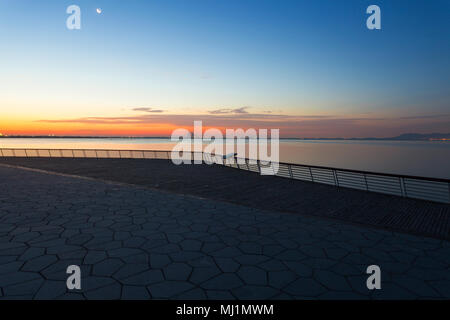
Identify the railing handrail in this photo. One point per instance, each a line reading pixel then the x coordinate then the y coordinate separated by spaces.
pixel 433 189
pixel 358 171
pixel 248 159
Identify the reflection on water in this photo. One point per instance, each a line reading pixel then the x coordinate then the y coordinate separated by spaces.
pixel 430 159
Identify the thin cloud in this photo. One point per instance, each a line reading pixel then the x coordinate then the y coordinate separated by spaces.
pixel 217 120
pixel 230 119
pixel 241 110
pixel 433 116
pixel 147 109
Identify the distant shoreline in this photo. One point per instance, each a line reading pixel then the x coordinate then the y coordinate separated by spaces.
pixel 403 137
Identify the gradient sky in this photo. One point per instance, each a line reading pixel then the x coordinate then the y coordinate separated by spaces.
pixel 310 68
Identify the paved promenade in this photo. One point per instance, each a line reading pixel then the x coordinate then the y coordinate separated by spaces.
pixel 136 243
pixel 262 192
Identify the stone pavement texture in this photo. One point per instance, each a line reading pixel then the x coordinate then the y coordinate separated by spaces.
pixel 262 192
pixel 136 243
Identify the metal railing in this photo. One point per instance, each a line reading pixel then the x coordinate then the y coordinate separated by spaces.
pixel 432 189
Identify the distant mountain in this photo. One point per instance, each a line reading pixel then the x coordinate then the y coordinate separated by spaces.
pixel 402 137
pixel 418 136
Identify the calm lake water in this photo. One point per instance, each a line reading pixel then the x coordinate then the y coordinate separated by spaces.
pixel 420 158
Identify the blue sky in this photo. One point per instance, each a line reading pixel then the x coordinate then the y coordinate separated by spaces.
pixel 290 58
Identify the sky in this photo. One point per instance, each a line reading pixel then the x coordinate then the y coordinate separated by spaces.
pixel 145 68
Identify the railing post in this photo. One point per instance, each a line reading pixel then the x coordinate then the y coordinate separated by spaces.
pixel 290 171
pixel 449 192
pixel 402 187
pixel 365 180
pixel 73 154
pixel 14 153
pixel 336 180
pixel 310 172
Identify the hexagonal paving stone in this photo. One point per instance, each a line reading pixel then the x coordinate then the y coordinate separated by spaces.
pixel 26 288
pixel 123 252
pixel 191 245
pixel 17 277
pixel 71 296
pixel 251 259
pixel 135 293
pixel 253 275
pixel 392 291
pixel 10 267
pixel 443 287
pixel 219 295
pixel 107 267
pixel 255 292
pixel 110 292
pixel 39 263
pixel 291 255
pixel 94 257
pixel 95 282
pixel 144 278
pixel 227 264
pixel 305 287
pixel 299 268
pixel 168 289
pixel 194 294
pixel 159 260
pixel 224 281
pixel 228 252
pixel 280 279
pixel 273 265
pixel 177 271
pixel 251 248
pixel 31 253
pixel 202 274
pixel 51 290
pixel 332 280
